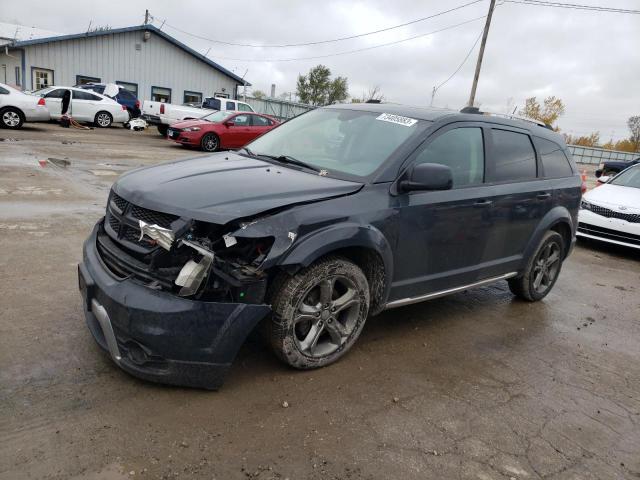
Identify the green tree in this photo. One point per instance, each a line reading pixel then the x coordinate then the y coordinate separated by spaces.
pixel 259 94
pixel 548 112
pixel 634 126
pixel 318 88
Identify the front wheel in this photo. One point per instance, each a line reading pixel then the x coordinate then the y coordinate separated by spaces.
pixel 542 269
pixel 11 118
pixel 318 313
pixel 103 119
pixel 210 142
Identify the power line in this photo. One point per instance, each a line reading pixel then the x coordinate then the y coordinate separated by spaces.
pixel 353 51
pixel 436 88
pixel 574 6
pixel 320 42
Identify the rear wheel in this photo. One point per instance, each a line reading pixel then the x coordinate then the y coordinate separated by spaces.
pixel 210 142
pixel 162 129
pixel 318 313
pixel 542 269
pixel 103 119
pixel 11 117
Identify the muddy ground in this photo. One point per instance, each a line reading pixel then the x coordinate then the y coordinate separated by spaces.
pixel 476 385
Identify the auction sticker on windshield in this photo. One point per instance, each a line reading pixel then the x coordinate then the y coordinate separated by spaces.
pixel 397 119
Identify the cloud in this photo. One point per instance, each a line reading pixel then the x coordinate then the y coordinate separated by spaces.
pixel 589 59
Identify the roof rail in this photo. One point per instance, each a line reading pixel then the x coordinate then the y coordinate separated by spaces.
pixel 476 110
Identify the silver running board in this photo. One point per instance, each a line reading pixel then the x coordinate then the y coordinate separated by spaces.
pixel 429 296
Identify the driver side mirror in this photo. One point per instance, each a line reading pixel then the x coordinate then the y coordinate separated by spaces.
pixel 427 176
pixel 229 123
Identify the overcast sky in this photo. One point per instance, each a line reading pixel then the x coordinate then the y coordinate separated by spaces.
pixel 591 60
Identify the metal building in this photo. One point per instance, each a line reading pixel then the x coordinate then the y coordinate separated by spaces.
pixel 143 59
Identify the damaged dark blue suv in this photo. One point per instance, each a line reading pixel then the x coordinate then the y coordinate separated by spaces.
pixel 333 216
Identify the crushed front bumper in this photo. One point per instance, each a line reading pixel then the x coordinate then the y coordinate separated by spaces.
pixel 157 336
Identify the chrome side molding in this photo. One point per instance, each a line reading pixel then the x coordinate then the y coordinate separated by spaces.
pixel 429 296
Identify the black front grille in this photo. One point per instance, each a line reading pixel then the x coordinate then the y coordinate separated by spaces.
pixel 606 212
pixel 120 202
pixel 608 234
pixel 150 216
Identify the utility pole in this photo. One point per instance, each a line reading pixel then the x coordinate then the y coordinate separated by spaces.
pixel 146 16
pixel 472 97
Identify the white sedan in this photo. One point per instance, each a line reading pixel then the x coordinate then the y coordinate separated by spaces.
pixel 17 107
pixel 611 211
pixel 83 105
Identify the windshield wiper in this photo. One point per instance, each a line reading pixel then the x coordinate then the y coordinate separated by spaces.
pixel 249 152
pixel 289 159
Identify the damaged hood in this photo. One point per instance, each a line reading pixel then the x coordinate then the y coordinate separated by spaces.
pixel 225 186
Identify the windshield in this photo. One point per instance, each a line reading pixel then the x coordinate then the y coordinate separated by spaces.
pixel 347 141
pixel 217 116
pixel 628 178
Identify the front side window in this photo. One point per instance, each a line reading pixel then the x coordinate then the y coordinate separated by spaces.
pixel 241 120
pixel 57 93
pixel 161 94
pixel 462 150
pixel 513 157
pixel 628 178
pixel 554 162
pixel 41 78
pixel 340 141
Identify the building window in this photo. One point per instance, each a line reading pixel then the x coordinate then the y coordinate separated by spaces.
pixel 221 95
pixel 41 78
pixel 161 94
pixel 192 97
pixel 131 87
pixel 83 80
pixel 18 83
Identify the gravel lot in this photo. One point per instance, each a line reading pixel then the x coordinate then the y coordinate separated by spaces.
pixel 475 385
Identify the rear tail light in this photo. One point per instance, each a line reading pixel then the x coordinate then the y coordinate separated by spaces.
pixel 162 108
pixel 137 103
pixel 124 107
pixel 41 102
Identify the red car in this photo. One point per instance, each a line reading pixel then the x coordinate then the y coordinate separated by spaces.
pixel 221 130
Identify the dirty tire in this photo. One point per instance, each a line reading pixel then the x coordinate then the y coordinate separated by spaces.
pixel 103 119
pixel 528 287
pixel 327 302
pixel 11 117
pixel 210 142
pixel 162 129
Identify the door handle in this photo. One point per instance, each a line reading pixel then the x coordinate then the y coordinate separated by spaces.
pixel 482 203
pixel 543 196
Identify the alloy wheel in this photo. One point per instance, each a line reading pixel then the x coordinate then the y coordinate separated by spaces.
pixel 326 316
pixel 546 267
pixel 210 143
pixel 104 120
pixel 11 119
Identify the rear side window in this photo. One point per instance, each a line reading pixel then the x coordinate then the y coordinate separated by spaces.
pixel 259 121
pixel 243 107
pixel 513 157
pixel 554 162
pixel 4 91
pixel 231 106
pixel 462 150
pixel 81 95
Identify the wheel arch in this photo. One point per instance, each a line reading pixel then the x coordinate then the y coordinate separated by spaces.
pixel 557 219
pixel 365 246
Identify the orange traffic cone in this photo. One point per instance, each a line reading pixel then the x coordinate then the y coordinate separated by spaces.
pixel 583 187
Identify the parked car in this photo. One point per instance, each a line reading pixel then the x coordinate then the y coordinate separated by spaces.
pixel 337 214
pixel 84 106
pixel 611 212
pixel 221 130
pixel 613 167
pixel 119 94
pixel 164 114
pixel 17 107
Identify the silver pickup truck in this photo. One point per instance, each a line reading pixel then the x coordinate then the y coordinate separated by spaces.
pixel 164 114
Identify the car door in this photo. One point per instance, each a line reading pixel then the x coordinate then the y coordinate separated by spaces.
pixel 443 235
pixel 520 196
pixel 238 134
pixel 86 105
pixel 54 102
pixel 259 125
